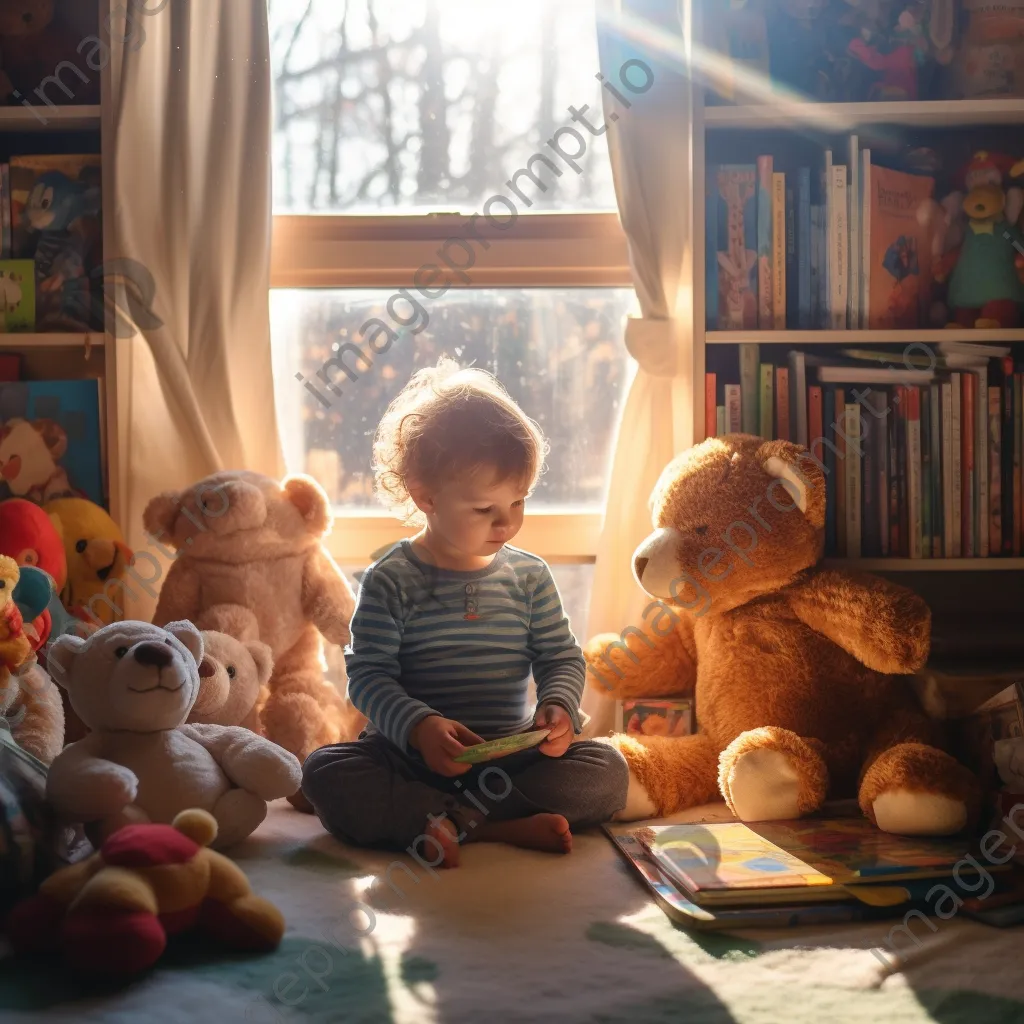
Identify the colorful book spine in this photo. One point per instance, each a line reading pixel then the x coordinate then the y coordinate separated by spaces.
pixel 792 274
pixel 815 421
pixel 872 423
pixel 839 249
pixel 750 355
pixel 981 462
pixel 1018 460
pixel 782 398
pixel 902 477
pixel 733 409
pixel 828 456
pixel 710 405
pixel 817 278
pixel 720 421
pixel 736 247
pixel 853 480
pixel 803 249
pixel 865 236
pixel 956 445
pixel 798 430
pixel 1007 446
pixel 853 221
pixel 779 251
pixel 925 431
pixel 5 212
pixel 935 438
pixel 765 427
pixel 883 415
pixel 947 470
pixel 914 509
pixel 765 270
pixel 826 230
pixel 967 422
pixel 893 472
pixel 840 433
pixel 995 463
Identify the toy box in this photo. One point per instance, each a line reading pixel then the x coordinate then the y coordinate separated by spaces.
pixel 655 717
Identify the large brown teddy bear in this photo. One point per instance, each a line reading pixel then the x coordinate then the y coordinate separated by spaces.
pixel 250 557
pixel 799 673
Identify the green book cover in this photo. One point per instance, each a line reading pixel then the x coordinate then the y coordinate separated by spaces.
pixel 17 296
pixel 767 401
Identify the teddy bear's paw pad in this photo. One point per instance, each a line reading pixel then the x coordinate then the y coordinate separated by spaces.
pixel 906 813
pixel 764 786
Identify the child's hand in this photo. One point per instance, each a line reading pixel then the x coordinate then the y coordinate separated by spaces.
pixel 559 721
pixel 440 740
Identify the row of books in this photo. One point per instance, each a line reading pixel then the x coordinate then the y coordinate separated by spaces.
pixel 843 245
pixel 919 463
pixel 51 243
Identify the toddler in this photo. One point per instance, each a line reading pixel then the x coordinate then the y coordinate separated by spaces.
pixel 446 630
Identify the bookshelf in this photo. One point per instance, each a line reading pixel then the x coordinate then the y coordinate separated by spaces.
pixel 75 128
pixel 975 600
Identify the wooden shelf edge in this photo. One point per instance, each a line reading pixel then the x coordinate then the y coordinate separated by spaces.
pixel 783 111
pixel 96 339
pixel 925 564
pixel 43 119
pixel 858 337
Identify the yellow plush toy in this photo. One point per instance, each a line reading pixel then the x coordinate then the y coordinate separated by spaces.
pixel 96 554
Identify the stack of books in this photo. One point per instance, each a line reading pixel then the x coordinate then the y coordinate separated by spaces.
pixel 807 871
pixel 842 245
pixel 922 451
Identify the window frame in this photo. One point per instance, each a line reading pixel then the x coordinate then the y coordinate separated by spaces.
pixel 538 250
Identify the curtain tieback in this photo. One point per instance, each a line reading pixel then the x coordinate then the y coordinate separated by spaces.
pixel 654 344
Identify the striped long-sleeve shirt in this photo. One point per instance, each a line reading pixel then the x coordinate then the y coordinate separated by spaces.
pixel 460 644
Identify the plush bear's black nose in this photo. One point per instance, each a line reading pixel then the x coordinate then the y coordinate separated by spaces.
pixel 153 654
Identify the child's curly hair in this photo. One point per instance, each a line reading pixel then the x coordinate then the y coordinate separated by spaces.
pixel 449 422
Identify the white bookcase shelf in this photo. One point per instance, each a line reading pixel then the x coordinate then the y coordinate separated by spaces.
pixel 850 338
pixel 89 339
pixel 846 117
pixel 925 564
pixel 50 119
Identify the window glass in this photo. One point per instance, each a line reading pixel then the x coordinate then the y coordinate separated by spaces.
pixel 558 351
pixel 418 105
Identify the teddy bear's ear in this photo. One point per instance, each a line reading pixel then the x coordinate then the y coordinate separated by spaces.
pixel 799 473
pixel 189 636
pixel 311 501
pixel 59 656
pixel 159 515
pixel 263 656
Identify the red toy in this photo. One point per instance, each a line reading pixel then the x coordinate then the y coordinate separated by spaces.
pixel 30 537
pixel 112 913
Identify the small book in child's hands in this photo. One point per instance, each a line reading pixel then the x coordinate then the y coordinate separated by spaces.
pixel 502 746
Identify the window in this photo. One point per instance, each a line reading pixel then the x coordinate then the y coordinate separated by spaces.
pixel 442 184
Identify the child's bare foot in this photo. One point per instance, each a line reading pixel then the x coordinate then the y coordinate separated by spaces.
pixel 548 832
pixel 443 831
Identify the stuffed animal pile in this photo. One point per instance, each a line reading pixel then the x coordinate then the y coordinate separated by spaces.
pixel 800 673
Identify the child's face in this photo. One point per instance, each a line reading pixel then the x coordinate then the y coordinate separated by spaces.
pixel 476 515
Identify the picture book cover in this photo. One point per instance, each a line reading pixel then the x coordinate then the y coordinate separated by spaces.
pixel 656 717
pixel 56 221
pixel 492 749
pixel 17 296
pixel 900 248
pixel 50 440
pixel 736 247
pixel 801 853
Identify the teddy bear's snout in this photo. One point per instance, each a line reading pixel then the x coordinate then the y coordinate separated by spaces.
pixel 157 655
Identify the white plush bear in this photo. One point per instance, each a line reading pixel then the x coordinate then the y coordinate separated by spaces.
pixel 133 684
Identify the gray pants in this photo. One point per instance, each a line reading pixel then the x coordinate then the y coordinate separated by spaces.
pixel 370 793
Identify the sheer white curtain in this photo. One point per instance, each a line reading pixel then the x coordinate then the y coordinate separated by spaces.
pixel 187 135
pixel 651 154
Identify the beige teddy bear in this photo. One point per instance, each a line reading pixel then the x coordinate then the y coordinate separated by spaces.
pixel 133 684
pixel 233 677
pixel 250 551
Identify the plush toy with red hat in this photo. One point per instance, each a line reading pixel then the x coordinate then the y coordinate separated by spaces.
pixel 986 272
pixel 30 537
pixel 112 913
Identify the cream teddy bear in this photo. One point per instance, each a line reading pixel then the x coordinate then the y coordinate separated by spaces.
pixel 134 684
pixel 233 677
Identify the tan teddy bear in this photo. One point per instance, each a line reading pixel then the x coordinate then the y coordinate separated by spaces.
pixel 250 556
pixel 800 674
pixel 233 677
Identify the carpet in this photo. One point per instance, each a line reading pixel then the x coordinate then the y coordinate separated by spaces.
pixel 514 935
